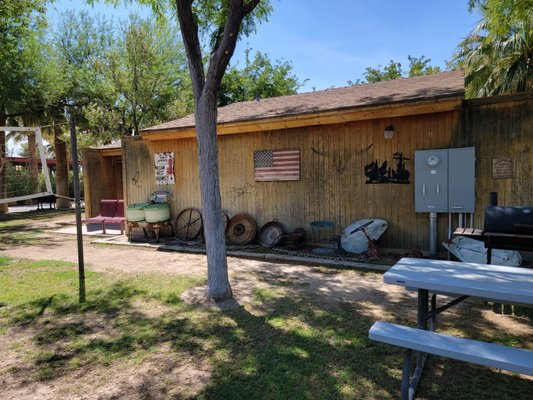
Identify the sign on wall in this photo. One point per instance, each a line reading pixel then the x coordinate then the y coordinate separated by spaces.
pixel 503 168
pixel 277 165
pixel 164 168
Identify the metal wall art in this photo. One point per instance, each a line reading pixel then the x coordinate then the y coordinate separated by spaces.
pixel 384 173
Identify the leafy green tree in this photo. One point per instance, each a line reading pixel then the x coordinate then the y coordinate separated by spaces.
pixel 391 71
pixel 497 56
pixel 20 181
pixel 260 78
pixel 499 15
pixel 77 48
pixel 147 67
pixel 417 66
pixel 18 24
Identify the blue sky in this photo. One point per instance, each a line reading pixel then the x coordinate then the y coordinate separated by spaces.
pixel 330 43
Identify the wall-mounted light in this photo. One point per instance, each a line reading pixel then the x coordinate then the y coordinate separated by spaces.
pixel 389 132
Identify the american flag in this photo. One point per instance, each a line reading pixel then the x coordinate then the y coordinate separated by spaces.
pixel 277 165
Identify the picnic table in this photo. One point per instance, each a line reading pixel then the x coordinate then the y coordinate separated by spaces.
pixel 510 285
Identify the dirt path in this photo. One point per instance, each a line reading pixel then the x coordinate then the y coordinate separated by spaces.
pixel 246 275
pixel 329 285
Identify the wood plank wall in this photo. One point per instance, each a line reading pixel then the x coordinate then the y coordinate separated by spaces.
pixel 500 127
pixel 333 185
pixel 100 180
pixel 137 171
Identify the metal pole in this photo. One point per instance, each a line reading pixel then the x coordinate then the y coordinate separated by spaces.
pixel 77 201
pixel 423 296
pixel 433 235
pixel 449 231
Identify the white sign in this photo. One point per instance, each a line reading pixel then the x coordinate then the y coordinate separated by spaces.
pixel 164 168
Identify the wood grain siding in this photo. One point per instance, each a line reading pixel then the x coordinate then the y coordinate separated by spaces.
pixel 138 171
pixel 101 180
pixel 500 127
pixel 332 185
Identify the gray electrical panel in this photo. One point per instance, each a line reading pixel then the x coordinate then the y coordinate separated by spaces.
pixel 462 180
pixel 431 181
pixel 445 180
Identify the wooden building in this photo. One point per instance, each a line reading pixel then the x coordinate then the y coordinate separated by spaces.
pixel 339 133
pixel 102 176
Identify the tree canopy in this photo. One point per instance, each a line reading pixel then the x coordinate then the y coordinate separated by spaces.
pixel 417 66
pixel 260 78
pixel 497 55
pixel 18 26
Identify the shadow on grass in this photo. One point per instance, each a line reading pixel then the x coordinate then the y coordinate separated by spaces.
pixel 35 215
pixel 19 235
pixel 17 229
pixel 252 356
pixel 295 349
pixel 298 351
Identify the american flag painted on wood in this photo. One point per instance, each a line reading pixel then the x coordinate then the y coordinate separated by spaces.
pixel 277 165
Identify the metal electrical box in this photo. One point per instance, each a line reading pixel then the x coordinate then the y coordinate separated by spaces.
pixel 445 180
pixel 431 181
pixel 462 180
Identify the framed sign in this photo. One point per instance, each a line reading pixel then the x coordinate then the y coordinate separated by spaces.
pixel 503 168
pixel 164 168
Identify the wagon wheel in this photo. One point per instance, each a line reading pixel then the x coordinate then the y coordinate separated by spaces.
pixel 225 221
pixel 189 224
pixel 241 229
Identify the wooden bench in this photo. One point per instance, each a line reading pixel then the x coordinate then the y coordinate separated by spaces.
pixel 473 351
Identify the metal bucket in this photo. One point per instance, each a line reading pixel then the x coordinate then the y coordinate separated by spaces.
pixel 160 196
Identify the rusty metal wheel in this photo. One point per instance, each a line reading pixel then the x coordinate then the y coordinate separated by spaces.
pixel 189 224
pixel 241 229
pixel 225 220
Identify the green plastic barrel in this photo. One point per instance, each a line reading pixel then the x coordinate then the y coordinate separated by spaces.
pixel 157 212
pixel 135 212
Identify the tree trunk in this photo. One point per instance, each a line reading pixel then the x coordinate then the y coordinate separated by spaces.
pixel 218 286
pixel 3 177
pixel 60 148
pixel 32 155
pixel 205 89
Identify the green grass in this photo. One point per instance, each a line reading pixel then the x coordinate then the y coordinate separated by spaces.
pixel 286 345
pixel 19 228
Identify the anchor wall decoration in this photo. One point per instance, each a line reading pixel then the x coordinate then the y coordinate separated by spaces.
pixel 384 173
